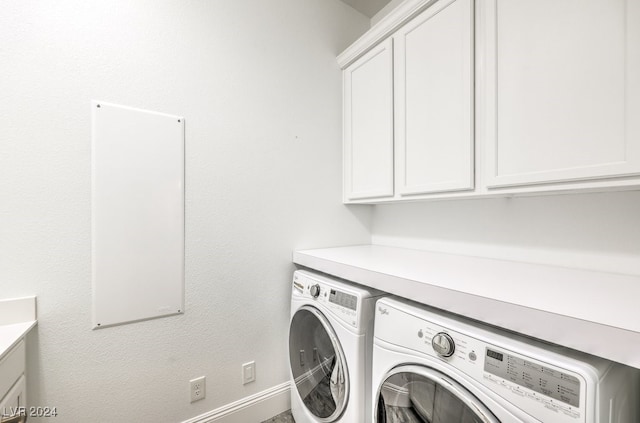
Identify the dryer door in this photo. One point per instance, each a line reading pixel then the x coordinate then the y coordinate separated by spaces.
pixel 418 394
pixel 318 365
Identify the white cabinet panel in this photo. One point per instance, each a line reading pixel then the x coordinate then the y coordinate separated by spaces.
pixel 12 367
pixel 493 97
pixel 368 125
pixel 15 401
pixel 562 90
pixel 434 100
pixel 137 214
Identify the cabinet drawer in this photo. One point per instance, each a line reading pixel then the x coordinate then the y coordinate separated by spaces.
pixel 11 368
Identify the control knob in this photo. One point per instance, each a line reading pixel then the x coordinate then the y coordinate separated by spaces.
pixel 443 344
pixel 314 290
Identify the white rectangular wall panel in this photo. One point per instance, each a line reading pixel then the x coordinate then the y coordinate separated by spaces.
pixel 137 214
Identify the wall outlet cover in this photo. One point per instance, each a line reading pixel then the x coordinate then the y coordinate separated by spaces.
pixel 248 372
pixel 198 388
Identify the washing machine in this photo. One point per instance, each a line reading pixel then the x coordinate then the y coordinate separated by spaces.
pixel 330 342
pixel 430 366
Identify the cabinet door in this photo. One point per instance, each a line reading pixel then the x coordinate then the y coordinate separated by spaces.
pixel 561 83
pixel 368 125
pixel 11 404
pixel 434 100
pixel 12 367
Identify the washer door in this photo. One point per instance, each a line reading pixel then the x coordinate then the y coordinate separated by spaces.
pixel 421 395
pixel 318 365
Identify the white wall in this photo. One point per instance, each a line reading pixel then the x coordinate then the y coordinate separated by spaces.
pixel 385 11
pixel 599 231
pixel 260 90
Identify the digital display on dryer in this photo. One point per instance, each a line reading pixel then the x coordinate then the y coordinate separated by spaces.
pixel 498 356
pixel 343 299
pixel 536 377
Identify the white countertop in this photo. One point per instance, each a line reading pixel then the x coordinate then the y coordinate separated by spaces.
pixel 11 334
pixel 595 312
pixel 17 318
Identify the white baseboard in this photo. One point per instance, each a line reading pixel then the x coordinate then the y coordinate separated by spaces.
pixel 252 409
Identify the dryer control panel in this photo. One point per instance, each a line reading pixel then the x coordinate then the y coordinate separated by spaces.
pixel 537 387
pixel 548 381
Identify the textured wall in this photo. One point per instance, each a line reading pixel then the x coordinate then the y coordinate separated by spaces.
pixel 599 231
pixel 392 4
pixel 260 89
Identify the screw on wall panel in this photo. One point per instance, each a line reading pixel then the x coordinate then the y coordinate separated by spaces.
pixel 178 311
pixel 178 120
pixel 98 324
pixel 97 105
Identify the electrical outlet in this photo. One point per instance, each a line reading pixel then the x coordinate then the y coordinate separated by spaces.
pixel 198 388
pixel 248 372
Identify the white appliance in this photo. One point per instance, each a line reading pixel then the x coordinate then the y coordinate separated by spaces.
pixel 433 366
pixel 330 341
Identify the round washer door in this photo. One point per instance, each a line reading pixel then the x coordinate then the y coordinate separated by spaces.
pixel 423 395
pixel 318 365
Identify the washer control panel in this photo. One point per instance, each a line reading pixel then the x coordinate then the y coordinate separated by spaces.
pixel 340 302
pixel 343 299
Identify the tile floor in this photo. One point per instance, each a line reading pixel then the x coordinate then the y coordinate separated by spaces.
pixel 285 417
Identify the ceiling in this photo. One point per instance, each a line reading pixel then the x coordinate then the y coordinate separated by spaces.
pixel 367 7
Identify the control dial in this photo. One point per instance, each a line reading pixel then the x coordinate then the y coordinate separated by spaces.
pixel 314 290
pixel 443 344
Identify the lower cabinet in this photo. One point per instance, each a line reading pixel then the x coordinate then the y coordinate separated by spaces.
pixel 14 402
pixel 12 382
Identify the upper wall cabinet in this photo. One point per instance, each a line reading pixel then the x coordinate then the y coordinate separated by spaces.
pixel 434 100
pixel 368 125
pixel 412 94
pixel 561 90
pixel 493 98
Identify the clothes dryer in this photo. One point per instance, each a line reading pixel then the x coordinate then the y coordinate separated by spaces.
pixel 330 341
pixel 430 366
